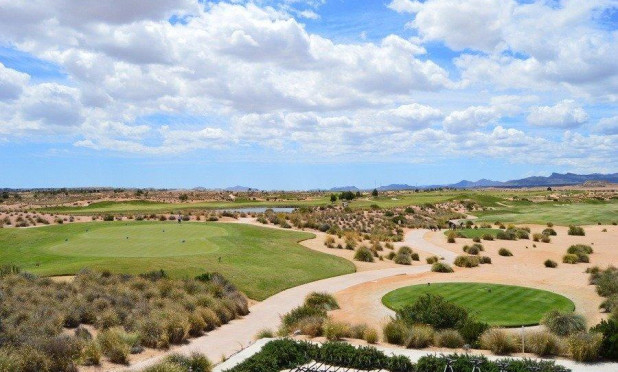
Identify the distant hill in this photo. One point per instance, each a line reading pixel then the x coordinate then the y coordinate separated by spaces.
pixel 396 186
pixel 238 188
pixel 555 179
pixel 345 188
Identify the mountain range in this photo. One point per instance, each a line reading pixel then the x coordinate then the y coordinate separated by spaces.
pixel 555 179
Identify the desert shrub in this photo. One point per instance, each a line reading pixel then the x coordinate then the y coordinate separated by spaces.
pixel 505 252
pixel 585 347
pixel 311 326
pixel 451 237
pixel 419 336
pixel 537 237
pixel 403 259
pixel 108 318
pixel 550 231
pixel 307 319
pixel 108 217
pixel 434 311
pixel 153 333
pixel 471 250
pixel 449 338
pixel 543 343
pixel 506 235
pixel 476 239
pixel 441 267
pixel 321 300
pixel 563 323
pixel 570 259
pixel 579 249
pixel 498 341
pixel 609 331
pixel 415 256
pixel 329 241
pixel 357 331
pixel 471 330
pixel 180 363
pixel 264 333
pixel 363 254
pixel 606 281
pixel 335 331
pixel 545 239
pixel 488 237
pixel 90 354
pixel 466 261
pixel 576 230
pixel 391 255
pixel 432 259
pixel 485 260
pixel 610 303
pixel 395 332
pixel 550 263
pixel 404 249
pixel 114 346
pixel 370 335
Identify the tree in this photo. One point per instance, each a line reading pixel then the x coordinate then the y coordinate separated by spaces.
pixel 183 197
pixel 333 198
pixel 374 193
pixel 347 195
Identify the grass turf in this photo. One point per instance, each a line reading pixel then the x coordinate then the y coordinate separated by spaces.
pixel 259 261
pixel 496 304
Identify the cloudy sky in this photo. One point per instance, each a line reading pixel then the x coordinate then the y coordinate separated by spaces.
pixel 305 93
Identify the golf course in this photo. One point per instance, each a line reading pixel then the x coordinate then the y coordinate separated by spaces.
pixel 259 261
pixel 495 304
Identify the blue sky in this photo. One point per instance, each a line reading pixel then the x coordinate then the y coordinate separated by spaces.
pixel 300 94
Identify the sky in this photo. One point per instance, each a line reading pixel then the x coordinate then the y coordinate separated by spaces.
pixel 303 94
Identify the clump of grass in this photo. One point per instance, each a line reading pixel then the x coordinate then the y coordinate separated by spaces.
pixel 448 338
pixel 370 335
pixel 432 259
pixel 419 336
pixel 544 343
pixel 498 341
pixel 264 333
pixel 570 259
pixel 466 261
pixel 335 331
pixel 321 300
pixel 563 323
pixel 441 267
pixel 549 231
pixel 113 345
pixel 363 254
pixel 505 252
pixel 451 237
pixel 395 332
pixel 550 264
pixel 585 347
pixel 576 230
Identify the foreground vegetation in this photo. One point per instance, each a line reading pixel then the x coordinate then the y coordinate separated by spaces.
pixel 259 261
pixel 286 354
pixel 56 326
pixel 495 304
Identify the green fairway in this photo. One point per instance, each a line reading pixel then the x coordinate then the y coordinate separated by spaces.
pixel 496 304
pixel 260 261
pixel 474 233
pixel 587 213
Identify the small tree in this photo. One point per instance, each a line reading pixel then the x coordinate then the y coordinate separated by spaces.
pixel 183 197
pixel 333 198
pixel 374 193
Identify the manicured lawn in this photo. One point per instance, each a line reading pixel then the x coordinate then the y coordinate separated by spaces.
pixel 260 261
pixel 473 233
pixel 496 304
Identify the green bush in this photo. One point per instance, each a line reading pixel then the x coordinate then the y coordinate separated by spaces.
pixel 403 259
pixel 371 336
pixel 550 231
pixel 451 237
pixel 335 331
pixel 609 331
pixel 297 314
pixel 177 362
pixel 570 259
pixel 563 323
pixel 113 345
pixel 449 338
pixel 550 263
pixel 432 259
pixel 499 341
pixel 434 311
pixel 466 261
pixel 441 267
pixel 395 332
pixel 606 281
pixel 321 300
pixel 484 260
pixel 585 347
pixel 471 330
pixel 363 254
pixel 505 252
pixel 580 248
pixel 576 230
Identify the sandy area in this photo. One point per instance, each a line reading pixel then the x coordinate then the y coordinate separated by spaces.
pixel 362 303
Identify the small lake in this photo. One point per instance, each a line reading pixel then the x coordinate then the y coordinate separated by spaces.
pixel 258 210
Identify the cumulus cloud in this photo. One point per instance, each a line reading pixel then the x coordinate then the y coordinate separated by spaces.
pixel 11 83
pixel 565 114
pixel 608 126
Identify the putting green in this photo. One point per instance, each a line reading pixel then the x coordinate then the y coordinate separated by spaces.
pixel 496 304
pixel 259 261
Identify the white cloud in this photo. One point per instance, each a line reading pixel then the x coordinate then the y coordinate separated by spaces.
pixel 565 114
pixel 11 83
pixel 608 126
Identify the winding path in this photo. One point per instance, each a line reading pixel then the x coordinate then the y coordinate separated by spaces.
pixel 239 334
